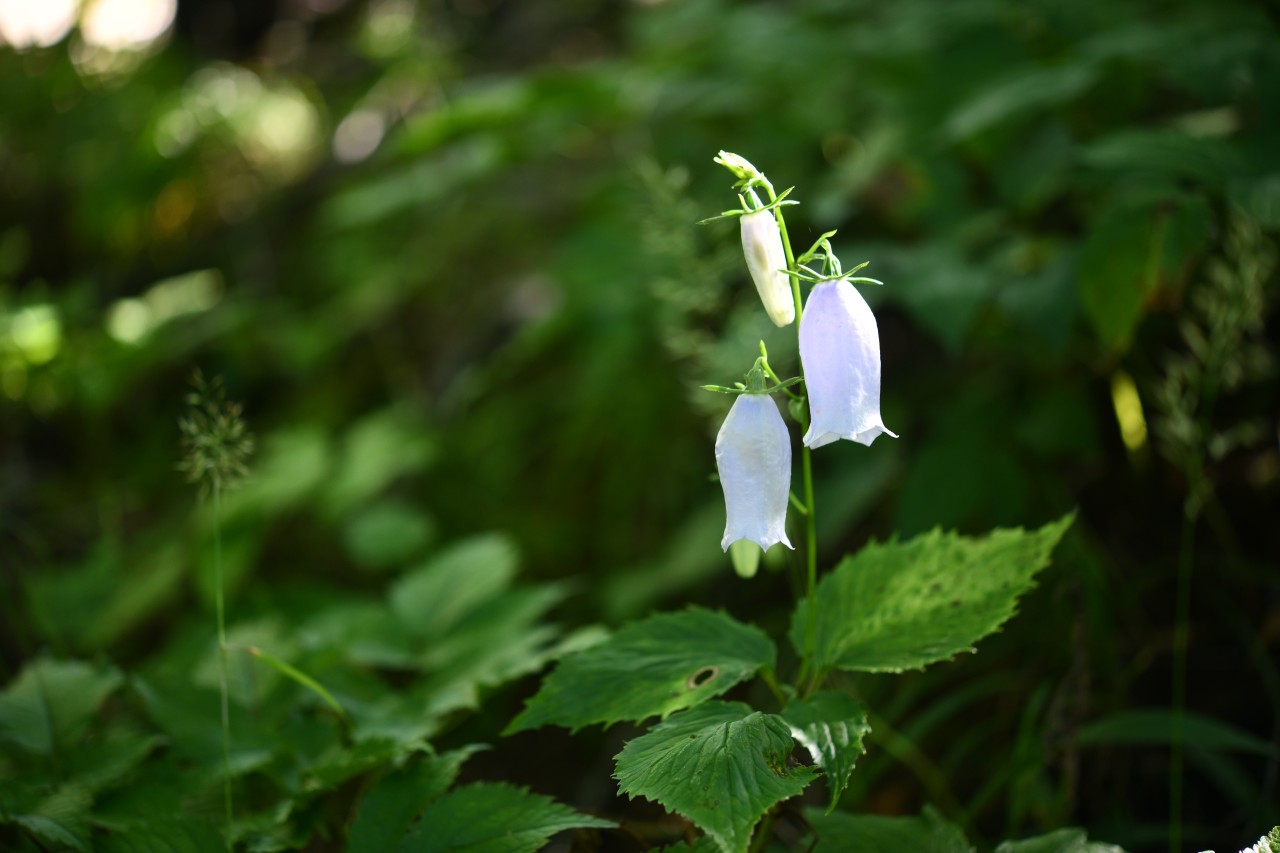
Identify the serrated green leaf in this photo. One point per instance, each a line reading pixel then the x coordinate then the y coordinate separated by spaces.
pixel 903 605
pixel 389 808
pixel 190 716
pixel 432 599
pixel 51 703
pixel 929 833
pixel 341 763
pixel 164 835
pixel 101 762
pixel 501 640
pixel 701 844
pixel 649 668
pixel 721 765
pixel 60 817
pixel 492 817
pixel 830 725
pixel 1061 841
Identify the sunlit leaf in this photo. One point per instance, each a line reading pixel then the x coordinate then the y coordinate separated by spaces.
pixel 830 725
pixel 903 605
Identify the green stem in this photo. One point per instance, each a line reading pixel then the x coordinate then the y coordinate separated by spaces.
pixel 222 657
pixel 764 832
pixel 770 678
pixel 810 520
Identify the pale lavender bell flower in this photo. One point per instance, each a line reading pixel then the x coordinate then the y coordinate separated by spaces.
pixel 840 351
pixel 753 456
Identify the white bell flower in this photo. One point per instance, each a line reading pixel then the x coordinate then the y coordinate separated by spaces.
pixel 840 351
pixel 753 456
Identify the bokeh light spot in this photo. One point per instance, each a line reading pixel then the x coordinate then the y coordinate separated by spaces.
pixel 36 23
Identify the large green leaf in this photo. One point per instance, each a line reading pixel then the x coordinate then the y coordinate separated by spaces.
pixel 388 810
pixel 652 667
pixel 51 703
pixel 1061 841
pixel 838 832
pixel 830 725
pixel 903 605
pixel 492 817
pixel 720 765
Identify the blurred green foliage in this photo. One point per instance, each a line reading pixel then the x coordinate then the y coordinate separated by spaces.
pixel 444 255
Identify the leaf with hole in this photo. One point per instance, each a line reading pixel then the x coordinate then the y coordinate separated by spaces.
pixel 649 668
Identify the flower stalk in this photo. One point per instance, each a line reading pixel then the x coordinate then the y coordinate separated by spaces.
pixel 839 353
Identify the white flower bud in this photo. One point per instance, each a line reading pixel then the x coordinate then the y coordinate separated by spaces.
pixel 762 246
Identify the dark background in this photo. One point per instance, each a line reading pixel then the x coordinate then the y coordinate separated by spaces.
pixel 444 254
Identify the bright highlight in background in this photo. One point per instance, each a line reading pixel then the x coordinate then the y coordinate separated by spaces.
pixel 130 320
pixel 36 23
pixel 1128 406
pixel 126 24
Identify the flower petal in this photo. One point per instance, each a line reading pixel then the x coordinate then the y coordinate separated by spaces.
pixel 762 247
pixel 753 456
pixel 840 351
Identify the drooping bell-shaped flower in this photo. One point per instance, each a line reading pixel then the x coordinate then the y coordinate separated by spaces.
pixel 762 246
pixel 753 456
pixel 840 350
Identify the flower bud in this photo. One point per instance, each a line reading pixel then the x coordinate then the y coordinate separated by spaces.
pixel 762 246
pixel 840 351
pixel 753 456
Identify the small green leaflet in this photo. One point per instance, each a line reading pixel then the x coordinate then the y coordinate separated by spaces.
pixel 492 817
pixel 903 605
pixel 649 668
pixel 830 725
pixel 929 833
pixel 720 765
